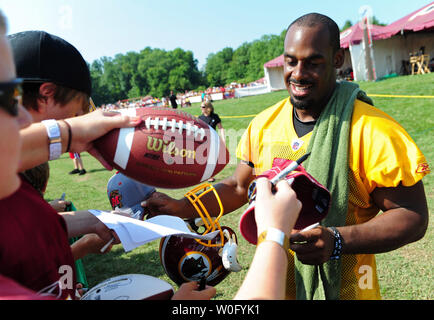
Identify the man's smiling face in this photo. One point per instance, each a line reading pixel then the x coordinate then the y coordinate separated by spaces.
pixel 309 68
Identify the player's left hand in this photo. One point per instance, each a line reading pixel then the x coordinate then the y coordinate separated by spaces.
pixel 314 246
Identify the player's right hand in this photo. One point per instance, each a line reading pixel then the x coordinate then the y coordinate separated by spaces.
pixel 161 204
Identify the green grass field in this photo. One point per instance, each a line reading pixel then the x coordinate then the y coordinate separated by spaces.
pixel 406 273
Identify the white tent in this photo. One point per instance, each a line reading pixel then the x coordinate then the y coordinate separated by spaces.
pixel 392 46
pixel 273 71
pixel 390 54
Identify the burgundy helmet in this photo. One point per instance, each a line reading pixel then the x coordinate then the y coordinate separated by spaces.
pixel 187 259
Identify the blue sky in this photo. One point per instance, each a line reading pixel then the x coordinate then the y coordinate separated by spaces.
pixel 106 27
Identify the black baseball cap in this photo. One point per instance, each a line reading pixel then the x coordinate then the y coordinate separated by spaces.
pixel 43 57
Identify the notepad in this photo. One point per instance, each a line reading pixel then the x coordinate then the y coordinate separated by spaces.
pixel 134 233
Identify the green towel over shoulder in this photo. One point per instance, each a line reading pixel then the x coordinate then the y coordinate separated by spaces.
pixel 328 163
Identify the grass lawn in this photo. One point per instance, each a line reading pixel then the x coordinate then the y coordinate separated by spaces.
pixel 406 273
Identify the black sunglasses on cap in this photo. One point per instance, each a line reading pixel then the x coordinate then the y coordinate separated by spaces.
pixel 10 93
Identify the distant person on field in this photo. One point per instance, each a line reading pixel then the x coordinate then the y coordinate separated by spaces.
pixel 78 164
pixel 187 102
pixel 172 99
pixel 213 120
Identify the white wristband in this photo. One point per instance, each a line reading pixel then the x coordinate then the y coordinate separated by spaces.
pixel 275 235
pixel 53 132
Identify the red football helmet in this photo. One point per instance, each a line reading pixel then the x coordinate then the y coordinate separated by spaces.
pixel 187 259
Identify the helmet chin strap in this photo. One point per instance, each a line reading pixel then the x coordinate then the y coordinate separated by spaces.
pixel 229 254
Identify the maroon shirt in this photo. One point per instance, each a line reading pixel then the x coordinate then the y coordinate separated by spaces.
pixel 10 290
pixel 34 247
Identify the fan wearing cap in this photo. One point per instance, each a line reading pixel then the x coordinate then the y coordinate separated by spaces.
pixel 56 79
pixel 56 85
pixel 35 257
pixel 33 237
pixel 213 120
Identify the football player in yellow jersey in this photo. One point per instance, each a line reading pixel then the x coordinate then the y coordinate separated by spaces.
pixel 385 167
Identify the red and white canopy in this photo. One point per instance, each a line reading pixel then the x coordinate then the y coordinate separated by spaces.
pixel 354 35
pixel 419 20
pixel 276 62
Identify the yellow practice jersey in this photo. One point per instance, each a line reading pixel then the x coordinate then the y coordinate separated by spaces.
pixel 382 154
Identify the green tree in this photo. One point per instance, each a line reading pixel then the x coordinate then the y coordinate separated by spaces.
pixel 217 66
pixel 238 66
pixel 377 22
pixel 155 71
pixel 347 24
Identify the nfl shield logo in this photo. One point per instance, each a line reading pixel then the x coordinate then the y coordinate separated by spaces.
pixel 296 144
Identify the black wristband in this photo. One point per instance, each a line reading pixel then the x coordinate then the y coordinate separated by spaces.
pixel 338 245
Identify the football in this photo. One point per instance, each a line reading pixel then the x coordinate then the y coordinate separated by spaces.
pixel 169 149
pixel 131 287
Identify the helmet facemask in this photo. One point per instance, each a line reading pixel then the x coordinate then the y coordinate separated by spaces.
pixel 209 223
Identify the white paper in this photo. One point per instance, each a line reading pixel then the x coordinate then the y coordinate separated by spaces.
pixel 134 233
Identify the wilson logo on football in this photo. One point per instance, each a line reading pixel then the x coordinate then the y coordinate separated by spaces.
pixel 169 147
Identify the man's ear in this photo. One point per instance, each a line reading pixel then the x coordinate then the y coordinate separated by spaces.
pixel 47 89
pixel 339 58
pixel 46 96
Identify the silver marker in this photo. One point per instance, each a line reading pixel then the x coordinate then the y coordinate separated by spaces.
pixel 312 226
pixel 107 245
pixel 289 169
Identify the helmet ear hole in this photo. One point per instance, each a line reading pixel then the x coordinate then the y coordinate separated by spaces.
pixel 201 229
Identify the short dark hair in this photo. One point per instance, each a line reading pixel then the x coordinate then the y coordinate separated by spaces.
pixel 62 96
pixel 314 19
pixel 38 177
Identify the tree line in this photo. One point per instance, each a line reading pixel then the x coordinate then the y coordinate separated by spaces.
pixel 156 72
